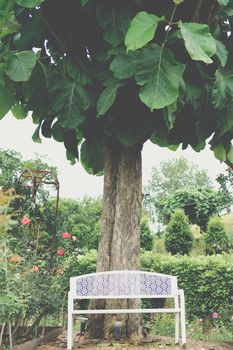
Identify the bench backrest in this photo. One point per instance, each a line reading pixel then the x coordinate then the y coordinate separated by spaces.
pixel 123 284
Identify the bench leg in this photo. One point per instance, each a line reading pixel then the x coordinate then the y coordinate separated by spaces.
pixel 70 323
pixel 182 318
pixel 177 321
pixel 177 328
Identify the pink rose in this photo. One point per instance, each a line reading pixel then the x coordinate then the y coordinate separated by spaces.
pixel 25 221
pixel 231 318
pixel 214 315
pixel 60 252
pixel 35 268
pixel 229 168
pixel 66 235
pixel 74 238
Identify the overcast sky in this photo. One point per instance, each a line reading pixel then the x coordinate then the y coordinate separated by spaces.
pixel 74 181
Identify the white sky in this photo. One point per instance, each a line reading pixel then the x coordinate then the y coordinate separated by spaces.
pixel 74 181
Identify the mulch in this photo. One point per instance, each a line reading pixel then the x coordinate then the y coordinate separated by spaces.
pixel 159 343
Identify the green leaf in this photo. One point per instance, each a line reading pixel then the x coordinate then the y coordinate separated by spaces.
pixel 84 2
pixel 108 96
pixel 160 140
pixel 200 147
pixel 57 132
pixel 19 66
pixel 198 41
pixel 224 121
pixel 221 52
pixel 124 65
pixel 70 102
pixel 19 111
pixel 142 30
pixel 223 2
pixel 230 154
pixel 193 95
pixel 93 157
pixel 46 126
pixel 71 142
pixel 170 115
pixel 29 3
pixel 70 157
pixel 160 75
pixel 6 98
pixel 8 25
pixel 31 33
pixel 114 19
pixel 222 93
pixel 173 147
pixel 36 135
pixel 219 152
pixel 178 2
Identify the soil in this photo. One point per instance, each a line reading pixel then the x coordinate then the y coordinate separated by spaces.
pixel 155 343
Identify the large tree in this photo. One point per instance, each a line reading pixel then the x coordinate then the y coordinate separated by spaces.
pixel 110 74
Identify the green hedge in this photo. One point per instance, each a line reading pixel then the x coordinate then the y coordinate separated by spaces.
pixel 207 281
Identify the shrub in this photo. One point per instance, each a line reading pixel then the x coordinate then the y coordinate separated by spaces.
pixel 216 240
pixel 146 240
pixel 178 236
pixel 207 281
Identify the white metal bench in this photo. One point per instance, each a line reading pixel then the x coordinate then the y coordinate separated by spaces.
pixel 124 285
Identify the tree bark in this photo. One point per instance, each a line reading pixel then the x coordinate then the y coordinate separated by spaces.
pixel 119 246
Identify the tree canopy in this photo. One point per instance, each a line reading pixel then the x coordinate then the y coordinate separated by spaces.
pixel 120 72
pixel 170 186
pixel 176 174
pixel 199 204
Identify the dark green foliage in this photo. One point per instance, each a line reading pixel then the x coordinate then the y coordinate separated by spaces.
pixel 146 241
pixel 207 281
pixel 111 72
pixel 199 204
pixel 178 235
pixel 216 240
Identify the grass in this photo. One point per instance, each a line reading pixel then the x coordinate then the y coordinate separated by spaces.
pixel 164 325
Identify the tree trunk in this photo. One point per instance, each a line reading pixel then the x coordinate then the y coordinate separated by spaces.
pixel 119 246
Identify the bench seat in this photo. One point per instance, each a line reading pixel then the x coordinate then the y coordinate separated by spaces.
pixel 127 284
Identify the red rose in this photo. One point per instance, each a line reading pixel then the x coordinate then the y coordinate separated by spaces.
pixel 66 235
pixel 60 252
pixel 25 221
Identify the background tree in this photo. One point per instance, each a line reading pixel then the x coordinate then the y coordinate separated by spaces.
pixel 216 240
pixel 110 75
pixel 199 204
pixel 225 181
pixel 11 166
pixel 178 234
pixel 146 239
pixel 168 178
